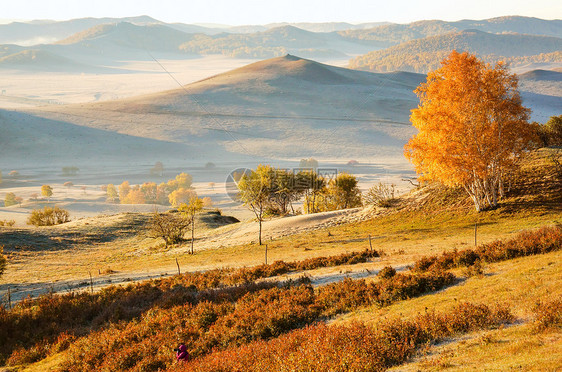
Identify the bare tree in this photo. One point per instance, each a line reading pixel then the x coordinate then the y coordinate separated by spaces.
pixel 171 227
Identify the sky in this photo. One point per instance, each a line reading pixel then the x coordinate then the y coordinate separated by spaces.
pixel 243 12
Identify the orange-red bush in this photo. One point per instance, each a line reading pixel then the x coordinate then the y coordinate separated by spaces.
pixel 349 348
pixel 541 241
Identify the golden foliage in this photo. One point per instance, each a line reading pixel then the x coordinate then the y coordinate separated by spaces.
pixel 473 129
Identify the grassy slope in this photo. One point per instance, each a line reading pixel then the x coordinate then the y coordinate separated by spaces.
pixel 424 224
pixel 429 225
pixel 521 283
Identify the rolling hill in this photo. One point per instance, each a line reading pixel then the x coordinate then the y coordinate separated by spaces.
pixel 127 35
pixel 284 108
pixel 542 75
pixel 423 55
pixel 28 139
pixel 41 60
pixel 541 90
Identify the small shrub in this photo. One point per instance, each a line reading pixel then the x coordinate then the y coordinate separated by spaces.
pixel 387 272
pixel 28 355
pixel 3 261
pixel 171 227
pixel 48 216
pixel 380 195
pixel 474 270
pixel 63 341
pixel 548 315
pixel 9 223
pixel 10 199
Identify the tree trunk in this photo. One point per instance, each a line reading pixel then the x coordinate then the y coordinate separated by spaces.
pixel 260 232
pixel 192 233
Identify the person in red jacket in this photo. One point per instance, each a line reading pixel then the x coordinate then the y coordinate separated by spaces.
pixel 181 353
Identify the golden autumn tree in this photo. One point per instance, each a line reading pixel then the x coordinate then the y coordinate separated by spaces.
pixel 473 129
pixel 189 211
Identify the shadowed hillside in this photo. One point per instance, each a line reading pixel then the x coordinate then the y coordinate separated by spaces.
pixel 542 75
pixel 282 107
pixel 35 140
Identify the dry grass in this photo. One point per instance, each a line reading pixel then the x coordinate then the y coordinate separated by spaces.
pixel 422 225
pixel 512 348
pixel 111 247
pixel 520 283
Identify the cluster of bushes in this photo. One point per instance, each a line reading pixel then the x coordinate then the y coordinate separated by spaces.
pixel 259 315
pixel 244 275
pixel 7 223
pixel 51 315
pixel 155 316
pixel 274 190
pixel 356 347
pixel 544 240
pixel 48 216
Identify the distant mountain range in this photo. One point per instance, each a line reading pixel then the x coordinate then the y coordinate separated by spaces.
pixel 425 54
pixel 47 32
pixel 96 42
pixel 393 34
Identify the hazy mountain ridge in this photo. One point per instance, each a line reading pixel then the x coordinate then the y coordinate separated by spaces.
pixel 124 34
pixel 106 41
pixel 43 32
pixel 424 55
pixel 270 43
pixel 393 34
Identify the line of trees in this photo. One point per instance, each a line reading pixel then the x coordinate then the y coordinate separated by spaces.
pixel 272 191
pixel 174 192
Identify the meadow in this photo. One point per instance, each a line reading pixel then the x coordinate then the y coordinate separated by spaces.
pixel 408 282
